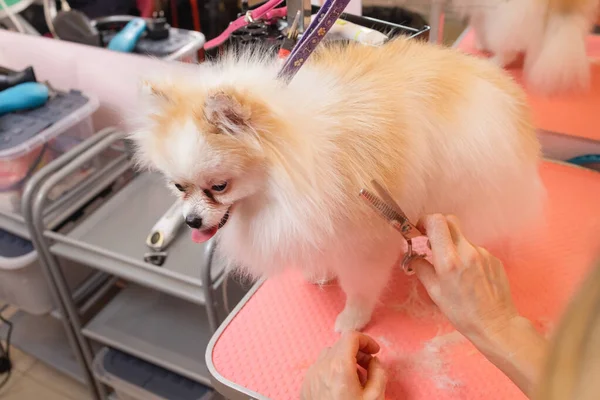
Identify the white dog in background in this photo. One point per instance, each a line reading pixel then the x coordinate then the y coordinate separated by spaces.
pixel 551 34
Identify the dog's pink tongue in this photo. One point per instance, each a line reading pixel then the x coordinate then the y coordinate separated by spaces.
pixel 199 236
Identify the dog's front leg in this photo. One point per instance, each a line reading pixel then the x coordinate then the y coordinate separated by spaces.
pixel 363 280
pixel 477 22
pixel 504 59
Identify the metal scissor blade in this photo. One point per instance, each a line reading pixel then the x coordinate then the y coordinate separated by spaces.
pixel 408 230
pixel 387 198
pixel 382 209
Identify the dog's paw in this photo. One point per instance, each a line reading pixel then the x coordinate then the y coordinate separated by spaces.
pixel 481 48
pixel 352 319
pixel 481 45
pixel 503 60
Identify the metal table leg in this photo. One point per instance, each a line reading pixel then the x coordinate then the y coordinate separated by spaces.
pixel 304 6
pixel 436 21
pixel 207 286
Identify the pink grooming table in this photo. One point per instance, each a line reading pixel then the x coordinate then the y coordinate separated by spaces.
pixel 573 115
pixel 265 346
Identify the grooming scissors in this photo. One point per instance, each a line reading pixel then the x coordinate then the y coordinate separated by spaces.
pixel 388 209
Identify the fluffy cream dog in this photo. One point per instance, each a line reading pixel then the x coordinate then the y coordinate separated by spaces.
pixel 277 169
pixel 551 33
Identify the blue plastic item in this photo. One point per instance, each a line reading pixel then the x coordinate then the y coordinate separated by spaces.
pixel 126 40
pixel 25 96
pixel 177 40
pixel 12 246
pixel 18 131
pixel 585 159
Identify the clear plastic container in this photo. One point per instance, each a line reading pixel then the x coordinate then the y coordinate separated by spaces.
pixel 22 282
pixel 125 374
pixel 19 163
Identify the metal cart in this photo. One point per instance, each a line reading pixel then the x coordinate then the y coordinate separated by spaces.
pixel 50 338
pixel 109 235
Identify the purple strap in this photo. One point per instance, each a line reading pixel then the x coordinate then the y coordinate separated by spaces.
pixel 326 17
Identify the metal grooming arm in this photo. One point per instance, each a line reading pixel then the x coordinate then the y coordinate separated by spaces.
pixel 305 7
pixel 436 21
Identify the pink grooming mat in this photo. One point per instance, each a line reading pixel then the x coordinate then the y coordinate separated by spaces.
pixel 266 346
pixel 569 114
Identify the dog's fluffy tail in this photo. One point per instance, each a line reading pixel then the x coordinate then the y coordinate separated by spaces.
pixel 559 63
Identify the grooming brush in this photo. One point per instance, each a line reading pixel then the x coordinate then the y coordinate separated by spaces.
pixel 74 26
pixel 385 206
pixel 128 37
pixel 165 230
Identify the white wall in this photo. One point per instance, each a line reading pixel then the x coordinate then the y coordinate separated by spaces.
pixel 112 77
pixel 354 7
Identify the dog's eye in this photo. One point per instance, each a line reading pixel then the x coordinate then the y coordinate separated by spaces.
pixel 179 187
pixel 220 187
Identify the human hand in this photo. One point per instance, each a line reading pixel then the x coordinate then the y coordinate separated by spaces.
pixel 335 374
pixel 467 283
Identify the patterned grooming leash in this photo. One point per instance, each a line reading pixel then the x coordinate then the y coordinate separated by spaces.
pixel 324 20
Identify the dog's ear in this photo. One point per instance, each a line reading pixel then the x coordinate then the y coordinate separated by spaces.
pixel 228 111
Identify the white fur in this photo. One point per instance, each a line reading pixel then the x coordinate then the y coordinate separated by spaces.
pixel 561 62
pixel 303 215
pixel 553 44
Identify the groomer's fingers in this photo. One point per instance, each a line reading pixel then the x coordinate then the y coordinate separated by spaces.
pixel 353 342
pixel 324 353
pixel 443 247
pixel 376 381
pixel 426 274
pixel 362 376
pixel 421 225
pixel 467 252
pixel 363 359
pixel 454 228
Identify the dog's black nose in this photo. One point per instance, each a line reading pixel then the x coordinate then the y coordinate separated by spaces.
pixel 193 221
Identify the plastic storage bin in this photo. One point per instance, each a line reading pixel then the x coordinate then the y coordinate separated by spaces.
pixel 181 45
pixel 22 282
pixel 31 139
pixel 135 379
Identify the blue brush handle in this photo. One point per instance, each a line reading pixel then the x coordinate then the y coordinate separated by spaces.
pixel 127 38
pixel 585 159
pixel 23 97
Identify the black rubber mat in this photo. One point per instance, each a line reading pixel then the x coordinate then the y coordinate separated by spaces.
pixel 152 378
